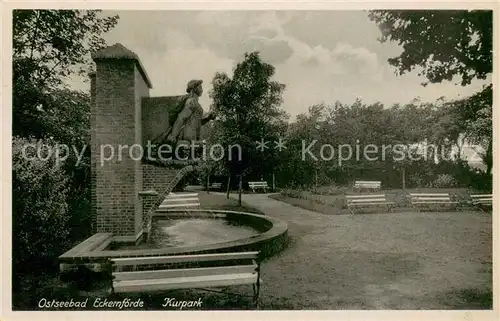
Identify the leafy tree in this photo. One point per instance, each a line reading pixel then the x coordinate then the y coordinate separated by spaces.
pixel 478 116
pixel 444 43
pixel 39 209
pixel 307 128
pixel 48 47
pixel 51 209
pixel 247 106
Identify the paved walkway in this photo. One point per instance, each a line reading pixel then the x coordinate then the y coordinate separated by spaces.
pixel 377 261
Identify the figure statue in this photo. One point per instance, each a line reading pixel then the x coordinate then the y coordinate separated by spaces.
pixel 187 125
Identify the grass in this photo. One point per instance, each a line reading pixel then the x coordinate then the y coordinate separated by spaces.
pixel 220 202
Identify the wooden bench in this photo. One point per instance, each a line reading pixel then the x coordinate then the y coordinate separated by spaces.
pixel 418 200
pixel 175 201
pixel 199 271
pixel 256 185
pixel 482 200
pixel 216 186
pixel 368 201
pixel 372 185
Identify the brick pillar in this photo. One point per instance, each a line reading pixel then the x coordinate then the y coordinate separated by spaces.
pixel 93 199
pixel 120 84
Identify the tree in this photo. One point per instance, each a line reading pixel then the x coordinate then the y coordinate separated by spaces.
pixel 478 116
pixel 51 209
pixel 307 128
pixel 444 43
pixel 39 208
pixel 48 47
pixel 247 107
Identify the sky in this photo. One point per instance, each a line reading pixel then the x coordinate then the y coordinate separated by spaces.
pixel 321 56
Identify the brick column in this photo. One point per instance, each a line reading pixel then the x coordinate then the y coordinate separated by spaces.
pixel 120 84
pixel 93 199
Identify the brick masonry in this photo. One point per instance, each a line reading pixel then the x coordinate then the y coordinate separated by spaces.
pixel 123 114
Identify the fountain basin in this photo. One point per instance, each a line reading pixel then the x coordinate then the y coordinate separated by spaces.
pixel 243 232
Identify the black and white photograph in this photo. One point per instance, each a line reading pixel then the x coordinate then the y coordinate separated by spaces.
pixel 194 160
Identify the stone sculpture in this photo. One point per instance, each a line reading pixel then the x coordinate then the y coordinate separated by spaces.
pixel 187 125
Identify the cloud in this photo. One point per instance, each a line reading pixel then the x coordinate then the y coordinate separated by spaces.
pixel 231 34
pixel 272 51
pixel 360 59
pixel 321 56
pixel 344 59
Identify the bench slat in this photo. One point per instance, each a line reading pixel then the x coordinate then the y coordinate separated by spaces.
pixel 365 196
pixel 367 184
pixel 184 199
pixel 435 202
pixel 184 258
pixel 176 273
pixel 367 200
pixel 363 204
pixel 424 198
pixel 185 282
pixel 179 205
pixel 428 194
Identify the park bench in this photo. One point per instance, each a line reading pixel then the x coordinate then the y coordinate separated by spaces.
pixel 256 185
pixel 482 200
pixel 197 271
pixel 419 200
pixel 368 200
pixel 216 186
pixel 371 185
pixel 175 201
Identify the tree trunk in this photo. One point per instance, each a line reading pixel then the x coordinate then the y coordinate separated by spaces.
pixel 403 172
pixel 274 183
pixel 228 186
pixel 489 157
pixel 240 188
pixel 208 183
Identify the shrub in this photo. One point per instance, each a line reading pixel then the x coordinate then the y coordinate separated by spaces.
pixel 39 211
pixel 443 181
pixel 291 193
pixel 481 181
pixel 327 190
pixel 416 180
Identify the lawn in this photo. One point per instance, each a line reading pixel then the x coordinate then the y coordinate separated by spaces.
pixel 218 201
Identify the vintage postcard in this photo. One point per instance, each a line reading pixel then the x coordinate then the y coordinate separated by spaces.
pixel 194 157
